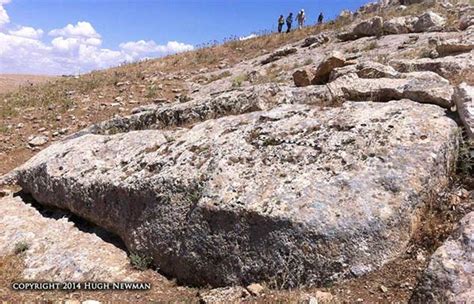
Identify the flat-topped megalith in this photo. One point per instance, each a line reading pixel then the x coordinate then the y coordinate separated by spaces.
pixel 299 193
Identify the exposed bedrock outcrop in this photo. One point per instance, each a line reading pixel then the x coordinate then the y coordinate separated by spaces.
pixel 321 193
pixel 376 26
pixel 423 87
pixel 449 67
pixel 450 275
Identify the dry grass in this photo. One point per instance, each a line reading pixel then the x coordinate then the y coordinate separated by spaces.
pixel 10 82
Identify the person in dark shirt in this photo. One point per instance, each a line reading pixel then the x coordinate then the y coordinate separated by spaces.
pixel 289 21
pixel 281 22
pixel 320 18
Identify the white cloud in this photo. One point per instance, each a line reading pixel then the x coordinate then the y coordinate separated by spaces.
pixel 142 47
pixel 81 29
pixel 248 37
pixel 27 32
pixel 4 19
pixel 73 49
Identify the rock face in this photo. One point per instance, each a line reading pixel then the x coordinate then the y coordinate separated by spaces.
pixel 429 22
pixel 464 99
pixel 323 193
pixel 224 295
pixel 303 78
pixel 315 41
pixel 38 141
pixel 334 60
pixel 424 87
pixel 371 27
pixel 278 55
pixel 450 275
pixel 53 253
pixel 400 25
pixel 366 69
pixel 454 47
pixel 450 67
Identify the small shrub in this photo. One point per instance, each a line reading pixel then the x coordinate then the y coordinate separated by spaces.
pixel 21 247
pixel 152 92
pixel 219 76
pixel 371 46
pixel 140 262
pixel 466 157
pixel 239 80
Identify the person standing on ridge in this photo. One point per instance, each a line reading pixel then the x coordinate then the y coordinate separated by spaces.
pixel 289 21
pixel 320 18
pixel 281 22
pixel 301 18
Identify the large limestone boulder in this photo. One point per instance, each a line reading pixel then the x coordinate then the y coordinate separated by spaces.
pixel 399 25
pixel 455 46
pixel 307 193
pixel 464 99
pixel 449 277
pixel 56 250
pixel 423 87
pixel 365 69
pixel 453 68
pixel 429 22
pixel 303 77
pixel 371 27
pixel 466 17
pixel 334 60
pixel 315 41
pixel 278 55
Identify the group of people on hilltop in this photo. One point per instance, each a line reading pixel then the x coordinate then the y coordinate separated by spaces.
pixel 300 17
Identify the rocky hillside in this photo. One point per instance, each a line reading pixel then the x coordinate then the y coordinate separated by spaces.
pixel 331 162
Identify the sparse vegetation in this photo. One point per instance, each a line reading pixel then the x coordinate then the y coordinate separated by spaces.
pixel 21 247
pixel 152 92
pixel 216 77
pixel 466 157
pixel 239 80
pixel 371 46
pixel 140 262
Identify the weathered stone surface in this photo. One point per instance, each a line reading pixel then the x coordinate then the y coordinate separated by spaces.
pixel 423 87
pixel 464 100
pixel 315 41
pixel 466 18
pixel 449 277
pixel 39 140
pixel 323 193
pixel 366 69
pixel 450 67
pixel 371 27
pixel 455 46
pixel 429 22
pixel 278 55
pixel 399 25
pixel 224 295
pixel 57 250
pixel 182 114
pixel 255 289
pixel 303 78
pixel 369 69
pixel 334 60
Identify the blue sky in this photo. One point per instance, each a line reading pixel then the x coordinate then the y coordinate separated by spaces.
pixel 156 22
